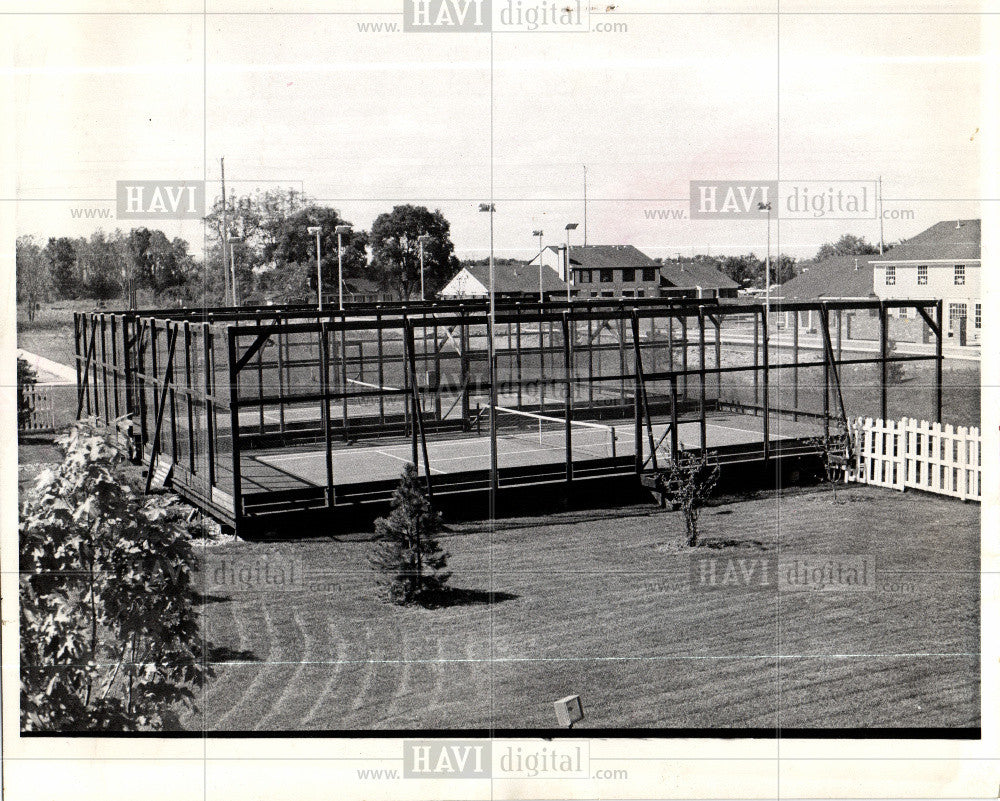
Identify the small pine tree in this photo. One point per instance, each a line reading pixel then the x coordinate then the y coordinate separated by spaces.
pixel 894 371
pixel 687 482
pixel 408 557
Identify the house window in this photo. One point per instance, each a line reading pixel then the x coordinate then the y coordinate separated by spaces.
pixel 903 312
pixel 607 294
pixel 585 277
pixel 628 293
pixel 922 274
pixel 607 276
pixel 640 293
pixel 628 276
pixel 959 274
pixel 979 315
pixel 648 274
pixel 890 276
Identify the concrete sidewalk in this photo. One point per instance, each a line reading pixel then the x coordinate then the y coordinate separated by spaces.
pixel 50 373
pixel 814 342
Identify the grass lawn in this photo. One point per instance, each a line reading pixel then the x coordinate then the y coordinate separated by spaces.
pixel 599 604
pixel 50 334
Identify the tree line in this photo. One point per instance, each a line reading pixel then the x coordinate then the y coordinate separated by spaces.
pixel 748 269
pixel 263 237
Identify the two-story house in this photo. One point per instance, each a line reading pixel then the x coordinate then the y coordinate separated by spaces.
pixel 942 262
pixel 605 271
pixel 624 271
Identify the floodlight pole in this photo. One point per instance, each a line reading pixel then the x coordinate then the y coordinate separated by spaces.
pixel 569 227
pixel 232 267
pixel 490 208
pixel 341 230
pixel 767 259
pixel 423 239
pixel 317 230
pixel 422 271
pixel 541 288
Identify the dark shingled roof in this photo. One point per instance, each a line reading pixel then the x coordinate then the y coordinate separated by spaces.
pixel 835 277
pixel 509 278
pixel 948 240
pixel 362 286
pixel 691 274
pixel 598 257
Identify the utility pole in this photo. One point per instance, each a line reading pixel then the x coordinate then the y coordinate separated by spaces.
pixel 585 205
pixel 225 234
pixel 881 219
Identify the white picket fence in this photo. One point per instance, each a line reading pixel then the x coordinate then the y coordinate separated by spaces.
pixel 908 453
pixel 39 413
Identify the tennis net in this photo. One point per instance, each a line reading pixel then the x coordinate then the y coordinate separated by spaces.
pixel 548 431
pixel 367 388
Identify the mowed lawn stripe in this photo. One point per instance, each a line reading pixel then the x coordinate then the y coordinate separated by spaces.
pixel 602 605
pixel 291 702
pixel 878 691
pixel 255 637
pixel 318 709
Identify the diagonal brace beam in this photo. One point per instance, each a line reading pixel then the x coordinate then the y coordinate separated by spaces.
pixel 168 377
pixel 255 346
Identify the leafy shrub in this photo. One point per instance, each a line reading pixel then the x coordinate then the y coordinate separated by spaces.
pixel 407 555
pixel 109 631
pixel 834 453
pixel 687 481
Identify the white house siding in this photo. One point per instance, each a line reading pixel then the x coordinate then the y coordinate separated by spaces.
pixel 959 300
pixel 464 285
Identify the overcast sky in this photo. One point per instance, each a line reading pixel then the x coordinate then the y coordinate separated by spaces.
pixel 365 120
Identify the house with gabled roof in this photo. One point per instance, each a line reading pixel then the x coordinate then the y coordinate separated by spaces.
pixel 704 278
pixel 944 262
pixel 941 262
pixel 624 271
pixel 510 281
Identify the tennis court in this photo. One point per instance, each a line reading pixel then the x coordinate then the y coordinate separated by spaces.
pixel 254 414
pixel 538 441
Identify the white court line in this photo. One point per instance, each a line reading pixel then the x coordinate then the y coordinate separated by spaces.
pixel 408 461
pixel 316 454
